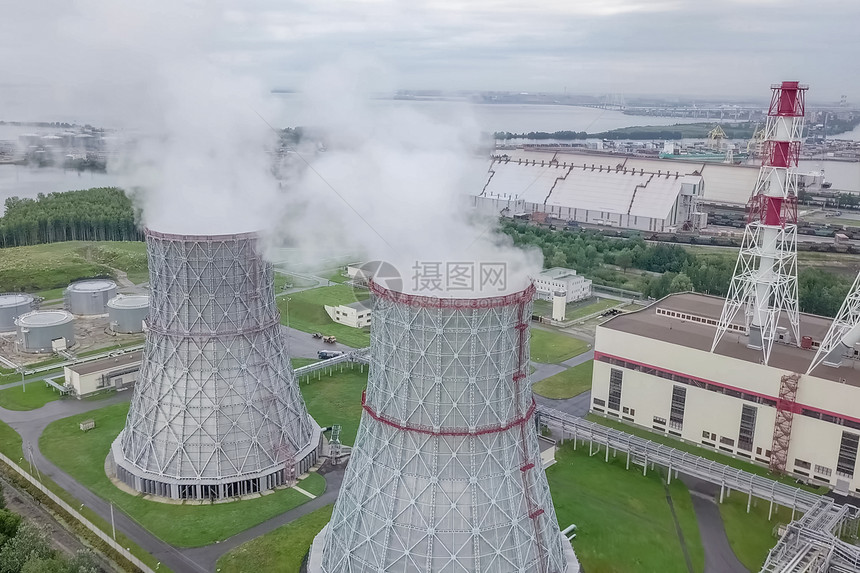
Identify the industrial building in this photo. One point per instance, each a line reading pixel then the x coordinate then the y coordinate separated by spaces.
pixel 356 315
pixel 89 297
pixel 13 305
pixel 558 279
pixel 654 368
pixel 127 313
pixel 112 373
pixel 45 331
pixel 216 412
pixel 588 192
pixel 446 471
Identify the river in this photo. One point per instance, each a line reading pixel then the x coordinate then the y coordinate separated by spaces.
pixel 517 118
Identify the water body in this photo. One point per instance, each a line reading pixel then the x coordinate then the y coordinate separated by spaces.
pixel 516 118
pixel 24 181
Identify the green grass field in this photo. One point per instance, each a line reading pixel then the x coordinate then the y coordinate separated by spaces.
pixel 336 399
pixel 306 313
pixel 82 455
pixel 706 453
pixel 751 534
pixel 281 550
pixel 37 394
pixel 624 523
pixel 48 269
pixel 10 442
pixel 554 347
pixel 567 384
pixel 335 276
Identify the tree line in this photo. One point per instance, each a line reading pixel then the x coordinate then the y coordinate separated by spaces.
pixel 99 214
pixel 26 548
pixel 665 268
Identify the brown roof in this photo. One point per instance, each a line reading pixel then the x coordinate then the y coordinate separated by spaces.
pixel 109 363
pixel 648 323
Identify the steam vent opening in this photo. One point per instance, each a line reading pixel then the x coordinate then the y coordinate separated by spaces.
pixel 445 474
pixel 217 412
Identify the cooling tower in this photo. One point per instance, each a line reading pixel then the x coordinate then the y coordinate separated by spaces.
pixel 217 411
pixel 445 475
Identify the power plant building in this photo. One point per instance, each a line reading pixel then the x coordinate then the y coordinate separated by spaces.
pixel 89 297
pixel 216 412
pixel 45 331
pixel 654 368
pixel 446 475
pixel 13 305
pixel 127 313
pixel 112 373
pixel 557 279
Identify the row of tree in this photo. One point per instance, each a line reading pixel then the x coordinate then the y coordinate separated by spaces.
pixel 100 214
pixel 665 268
pixel 26 548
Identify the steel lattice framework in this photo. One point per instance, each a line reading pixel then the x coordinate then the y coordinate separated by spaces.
pixel 445 475
pixel 765 277
pixel 217 411
pixel 844 332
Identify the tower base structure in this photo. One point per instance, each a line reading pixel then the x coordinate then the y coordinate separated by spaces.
pixel 315 557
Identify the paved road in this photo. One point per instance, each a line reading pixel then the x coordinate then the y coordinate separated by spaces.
pixel 581 359
pixel 576 406
pixel 719 557
pixel 208 556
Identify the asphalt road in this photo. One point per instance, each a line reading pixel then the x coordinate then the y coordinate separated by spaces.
pixel 719 557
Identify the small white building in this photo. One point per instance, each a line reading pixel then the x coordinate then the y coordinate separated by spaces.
pixel 559 279
pixel 356 315
pixel 114 372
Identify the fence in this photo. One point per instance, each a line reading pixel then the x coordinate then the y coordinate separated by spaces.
pixel 77 515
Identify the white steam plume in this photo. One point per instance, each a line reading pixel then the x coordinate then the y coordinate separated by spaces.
pixel 396 182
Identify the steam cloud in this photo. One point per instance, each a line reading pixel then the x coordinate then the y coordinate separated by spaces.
pixel 392 184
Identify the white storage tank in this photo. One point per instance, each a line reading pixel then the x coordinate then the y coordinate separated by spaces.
pixel 89 297
pixel 13 305
pixel 127 312
pixel 37 330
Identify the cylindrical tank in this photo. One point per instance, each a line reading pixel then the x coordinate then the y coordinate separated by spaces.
pixel 89 296
pixel 13 305
pixel 127 312
pixel 39 328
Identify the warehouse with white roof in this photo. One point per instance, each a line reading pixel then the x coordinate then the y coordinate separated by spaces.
pixel 593 188
pixel 591 193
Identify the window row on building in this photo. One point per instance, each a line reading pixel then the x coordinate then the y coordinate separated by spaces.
pixel 719 389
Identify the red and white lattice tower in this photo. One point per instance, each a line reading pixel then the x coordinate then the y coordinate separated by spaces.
pixel 446 474
pixel 765 279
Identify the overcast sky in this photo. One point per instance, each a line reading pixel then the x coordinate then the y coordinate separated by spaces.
pixel 733 48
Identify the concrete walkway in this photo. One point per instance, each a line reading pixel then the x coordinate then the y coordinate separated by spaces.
pixel 719 557
pixel 208 556
pixel 581 359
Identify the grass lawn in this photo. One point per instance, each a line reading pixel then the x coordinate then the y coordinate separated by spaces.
pixel 307 313
pixel 751 534
pixel 82 455
pixel 47 269
pixel 336 399
pixel 10 442
pixel 706 453
pixel 336 276
pixel 299 362
pixel 624 523
pixel 37 394
pixel 567 384
pixel 554 347
pixel 281 550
